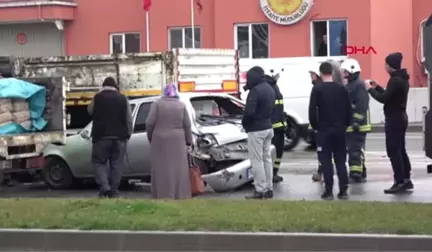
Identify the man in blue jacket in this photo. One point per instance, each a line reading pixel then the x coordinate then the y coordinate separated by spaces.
pixel 258 126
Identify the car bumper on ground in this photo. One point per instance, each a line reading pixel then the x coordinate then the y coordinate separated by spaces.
pixel 234 176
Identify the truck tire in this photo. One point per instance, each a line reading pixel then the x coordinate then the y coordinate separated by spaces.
pixel 292 134
pixel 56 173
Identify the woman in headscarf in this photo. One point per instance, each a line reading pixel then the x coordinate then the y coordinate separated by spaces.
pixel 169 132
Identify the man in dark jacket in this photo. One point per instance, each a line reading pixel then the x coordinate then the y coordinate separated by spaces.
pixel 112 127
pixel 278 124
pixel 258 126
pixel 395 99
pixel 360 125
pixel 325 99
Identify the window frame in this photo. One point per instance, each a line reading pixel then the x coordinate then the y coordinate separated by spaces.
pixel 250 37
pixel 123 34
pixel 312 34
pixel 421 37
pixel 137 108
pixel 183 29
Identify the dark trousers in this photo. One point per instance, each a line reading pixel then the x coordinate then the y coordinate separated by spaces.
pixel 395 131
pixel 108 159
pixel 331 143
pixel 278 141
pixel 356 142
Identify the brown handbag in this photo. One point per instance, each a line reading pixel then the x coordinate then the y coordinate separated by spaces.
pixel 197 182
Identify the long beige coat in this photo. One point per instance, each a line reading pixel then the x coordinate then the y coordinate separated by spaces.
pixel 169 132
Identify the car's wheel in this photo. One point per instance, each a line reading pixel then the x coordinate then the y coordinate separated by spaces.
pixel 56 173
pixel 292 134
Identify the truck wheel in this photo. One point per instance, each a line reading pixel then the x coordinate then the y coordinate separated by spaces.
pixel 56 173
pixel 292 134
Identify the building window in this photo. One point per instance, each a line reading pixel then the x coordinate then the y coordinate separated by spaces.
pixel 125 43
pixel 182 37
pixel 329 38
pixel 252 40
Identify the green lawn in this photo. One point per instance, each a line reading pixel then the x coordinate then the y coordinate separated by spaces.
pixel 218 215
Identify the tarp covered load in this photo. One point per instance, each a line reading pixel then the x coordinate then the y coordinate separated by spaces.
pixel 19 92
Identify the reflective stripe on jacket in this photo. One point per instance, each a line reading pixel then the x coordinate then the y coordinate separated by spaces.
pixel 360 106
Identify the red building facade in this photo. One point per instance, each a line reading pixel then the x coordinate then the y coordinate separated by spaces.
pixel 82 27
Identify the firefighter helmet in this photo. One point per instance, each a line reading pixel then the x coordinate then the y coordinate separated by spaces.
pixel 351 66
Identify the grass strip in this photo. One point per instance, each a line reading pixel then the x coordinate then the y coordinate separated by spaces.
pixel 217 215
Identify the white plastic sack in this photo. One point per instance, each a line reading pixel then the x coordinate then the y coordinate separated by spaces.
pixel 5 101
pixel 19 105
pixel 6 107
pixel 6 117
pixel 22 116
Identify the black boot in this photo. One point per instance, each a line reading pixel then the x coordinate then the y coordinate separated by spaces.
pixel 268 194
pixel 327 195
pixel 408 184
pixel 276 177
pixel 256 195
pixel 395 188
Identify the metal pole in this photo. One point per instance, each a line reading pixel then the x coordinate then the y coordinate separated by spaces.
pixel 193 22
pixel 147 31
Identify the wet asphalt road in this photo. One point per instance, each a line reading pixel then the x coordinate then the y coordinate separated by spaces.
pixel 297 167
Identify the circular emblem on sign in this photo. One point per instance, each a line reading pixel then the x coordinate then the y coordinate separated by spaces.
pixel 286 12
pixel 21 38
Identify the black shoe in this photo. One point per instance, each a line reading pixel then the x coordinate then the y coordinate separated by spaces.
pixel 268 194
pixel 395 188
pixel 277 179
pixel 113 194
pixel 327 195
pixel 408 185
pixel 104 194
pixel 343 195
pixel 256 195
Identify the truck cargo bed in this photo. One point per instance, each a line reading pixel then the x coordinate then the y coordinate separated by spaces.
pixel 31 144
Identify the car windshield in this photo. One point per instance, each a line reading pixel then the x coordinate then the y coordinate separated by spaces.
pixel 217 109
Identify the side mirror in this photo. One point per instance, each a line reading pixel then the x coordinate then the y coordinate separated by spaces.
pixel 85 134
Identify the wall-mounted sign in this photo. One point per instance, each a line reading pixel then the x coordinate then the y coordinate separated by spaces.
pixel 286 12
pixel 21 39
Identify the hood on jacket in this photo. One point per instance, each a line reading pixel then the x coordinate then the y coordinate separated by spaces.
pixel 270 80
pixel 402 73
pixel 254 76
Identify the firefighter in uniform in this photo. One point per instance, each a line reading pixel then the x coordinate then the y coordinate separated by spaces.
pixel 278 123
pixel 360 125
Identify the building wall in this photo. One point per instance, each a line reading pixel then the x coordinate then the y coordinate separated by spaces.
pixel 369 23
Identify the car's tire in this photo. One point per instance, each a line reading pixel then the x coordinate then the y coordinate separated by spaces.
pixel 56 173
pixel 292 134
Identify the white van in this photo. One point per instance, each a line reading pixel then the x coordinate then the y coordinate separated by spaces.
pixel 295 85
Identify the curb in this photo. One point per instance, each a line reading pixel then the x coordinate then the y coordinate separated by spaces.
pixel 75 240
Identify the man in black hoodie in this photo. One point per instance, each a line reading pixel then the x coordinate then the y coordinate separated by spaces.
pixel 395 99
pixel 258 126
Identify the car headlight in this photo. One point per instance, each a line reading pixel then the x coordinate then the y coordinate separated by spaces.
pixel 207 140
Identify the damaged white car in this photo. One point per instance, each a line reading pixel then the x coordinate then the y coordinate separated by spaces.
pixel 220 145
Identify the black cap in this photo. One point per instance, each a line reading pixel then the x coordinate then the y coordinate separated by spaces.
pixel 110 82
pixel 394 60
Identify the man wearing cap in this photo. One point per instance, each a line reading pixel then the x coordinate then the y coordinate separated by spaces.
pixel 394 98
pixel 112 127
